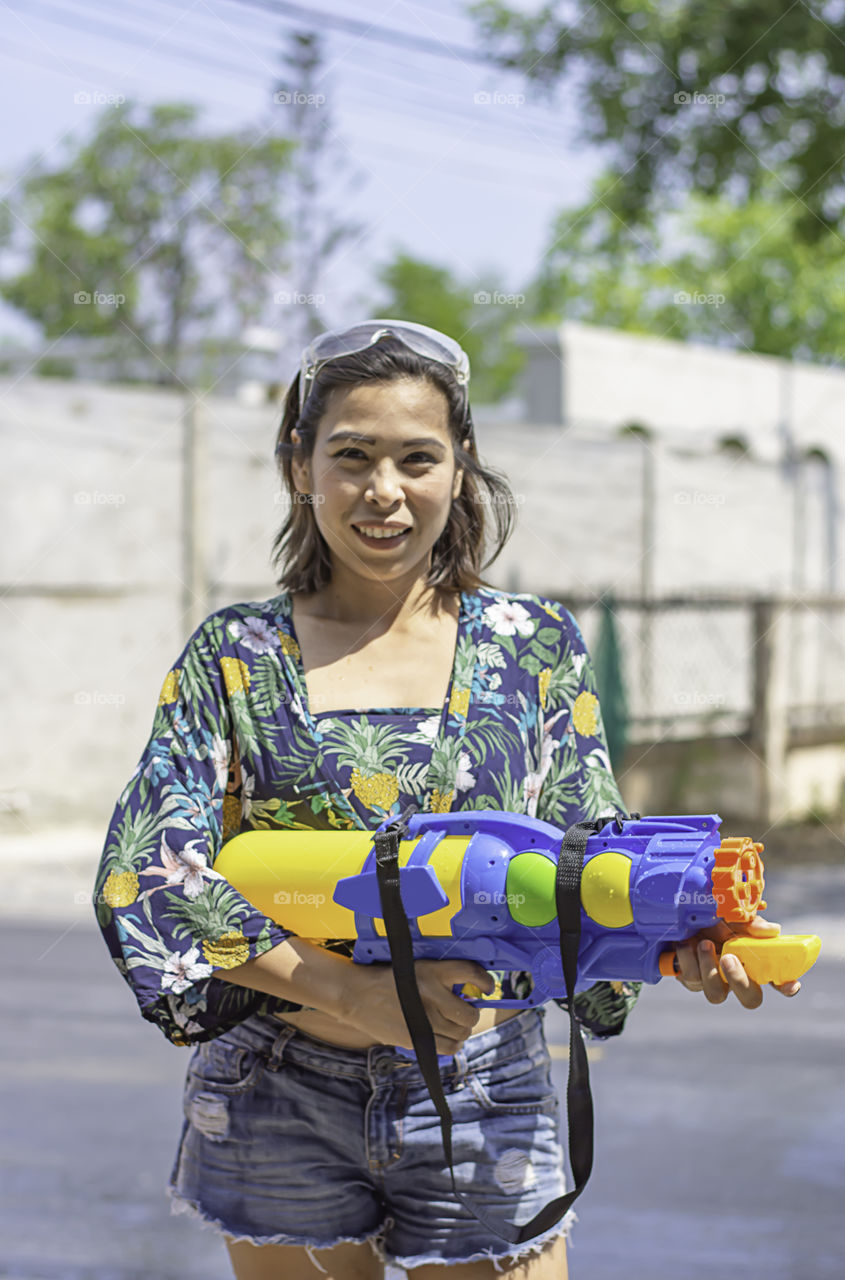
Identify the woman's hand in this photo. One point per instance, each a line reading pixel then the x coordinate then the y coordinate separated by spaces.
pixel 371 1002
pixel 701 969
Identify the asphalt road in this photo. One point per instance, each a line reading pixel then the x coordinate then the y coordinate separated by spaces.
pixel 720 1133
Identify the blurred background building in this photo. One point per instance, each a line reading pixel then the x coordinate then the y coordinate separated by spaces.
pixel 698 491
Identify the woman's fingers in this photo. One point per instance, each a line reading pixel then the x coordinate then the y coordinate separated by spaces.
pixel 748 993
pixel 758 927
pixel 788 988
pixel 690 971
pixel 714 986
pixel 701 970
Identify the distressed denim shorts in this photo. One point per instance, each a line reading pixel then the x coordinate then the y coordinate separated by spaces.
pixel 288 1139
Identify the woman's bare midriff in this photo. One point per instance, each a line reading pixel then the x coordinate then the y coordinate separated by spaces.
pixel 324 1027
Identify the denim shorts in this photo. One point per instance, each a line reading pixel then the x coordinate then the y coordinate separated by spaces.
pixel 288 1139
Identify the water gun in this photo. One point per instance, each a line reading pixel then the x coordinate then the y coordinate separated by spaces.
pixel 555 911
pixel 480 885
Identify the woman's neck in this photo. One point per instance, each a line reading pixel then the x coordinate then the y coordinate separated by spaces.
pixel 364 603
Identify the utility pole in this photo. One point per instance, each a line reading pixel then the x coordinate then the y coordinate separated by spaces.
pixel 195 602
pixel 301 101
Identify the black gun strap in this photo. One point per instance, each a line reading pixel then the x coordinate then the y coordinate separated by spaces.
pixel 579 1101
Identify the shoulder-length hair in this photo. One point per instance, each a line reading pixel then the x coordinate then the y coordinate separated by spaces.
pixel 299 550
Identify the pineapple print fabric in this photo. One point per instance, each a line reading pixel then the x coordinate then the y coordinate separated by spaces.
pixel 234 747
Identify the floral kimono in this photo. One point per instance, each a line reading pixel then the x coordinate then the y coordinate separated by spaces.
pixel 235 747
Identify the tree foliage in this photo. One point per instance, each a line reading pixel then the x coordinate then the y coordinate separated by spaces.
pixel 736 275
pixel 149 232
pixel 480 316
pixel 687 95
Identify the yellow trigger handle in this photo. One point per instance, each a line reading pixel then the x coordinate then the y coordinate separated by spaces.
pixel 781 959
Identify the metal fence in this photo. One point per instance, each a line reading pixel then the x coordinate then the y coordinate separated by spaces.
pixel 703 665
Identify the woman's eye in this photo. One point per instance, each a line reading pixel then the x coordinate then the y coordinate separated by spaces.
pixel 358 453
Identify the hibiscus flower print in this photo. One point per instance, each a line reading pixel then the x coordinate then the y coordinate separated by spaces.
pixel 182 971
pixel 255 634
pixel 188 867
pixel 463 778
pixel 507 617
pixel 221 750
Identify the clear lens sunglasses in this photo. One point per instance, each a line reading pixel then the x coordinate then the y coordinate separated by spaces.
pixel 418 337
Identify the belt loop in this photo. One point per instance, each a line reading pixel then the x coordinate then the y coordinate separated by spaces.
pixel 460 1069
pixel 277 1052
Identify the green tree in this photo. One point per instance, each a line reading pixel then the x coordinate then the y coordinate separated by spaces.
pixel 711 270
pixel 480 316
pixel 150 232
pixel 706 97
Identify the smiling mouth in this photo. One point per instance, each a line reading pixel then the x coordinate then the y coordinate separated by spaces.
pixel 381 535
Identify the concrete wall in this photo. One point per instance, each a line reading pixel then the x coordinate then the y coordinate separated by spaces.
pixel 92 574
pixel 611 378
pixel 93 570
pixel 722 775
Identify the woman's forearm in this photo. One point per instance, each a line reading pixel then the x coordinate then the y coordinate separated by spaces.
pixel 299 970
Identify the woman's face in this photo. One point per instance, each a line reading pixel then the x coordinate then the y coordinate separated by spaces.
pixel 382 461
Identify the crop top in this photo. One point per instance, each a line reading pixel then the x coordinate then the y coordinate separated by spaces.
pixel 235 747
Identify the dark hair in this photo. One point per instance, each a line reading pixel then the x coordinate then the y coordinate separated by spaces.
pixel 456 561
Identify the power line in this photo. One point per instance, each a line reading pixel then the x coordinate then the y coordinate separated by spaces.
pixel 431 111
pixel 412 156
pixel 142 17
pixel 67 69
pixel 460 105
pixel 402 155
pixel 73 20
pixel 180 53
pixel 316 19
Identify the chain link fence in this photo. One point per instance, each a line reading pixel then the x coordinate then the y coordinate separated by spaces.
pixel 693 667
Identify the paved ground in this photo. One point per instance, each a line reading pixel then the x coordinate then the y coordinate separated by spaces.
pixel 720 1132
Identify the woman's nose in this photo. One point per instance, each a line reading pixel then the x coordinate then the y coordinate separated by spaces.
pixel 384 483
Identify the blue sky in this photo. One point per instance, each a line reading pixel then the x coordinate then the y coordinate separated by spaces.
pixel 463 183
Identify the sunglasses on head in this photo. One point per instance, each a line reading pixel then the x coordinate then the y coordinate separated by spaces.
pixel 418 337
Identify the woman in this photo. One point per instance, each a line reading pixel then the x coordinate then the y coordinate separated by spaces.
pixel 385 672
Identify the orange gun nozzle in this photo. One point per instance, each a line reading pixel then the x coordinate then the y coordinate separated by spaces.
pixel 737 879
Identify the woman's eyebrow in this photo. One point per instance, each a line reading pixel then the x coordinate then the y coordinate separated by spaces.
pixel 355 435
